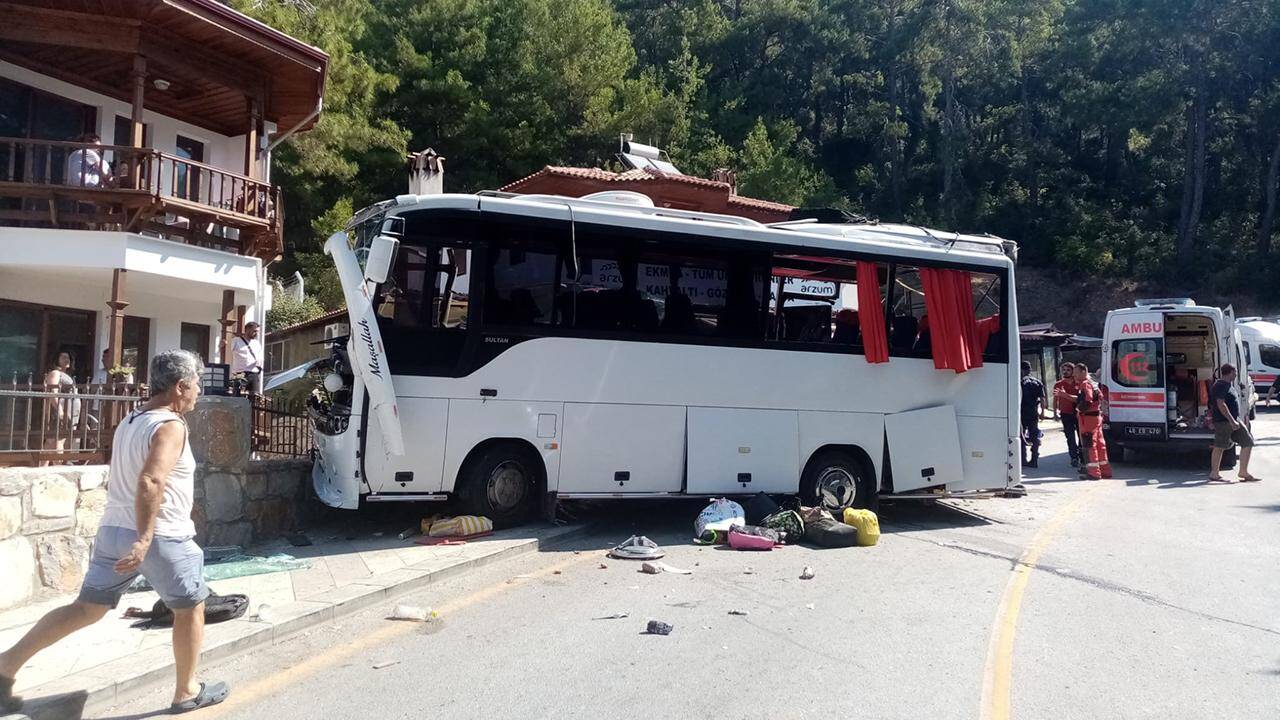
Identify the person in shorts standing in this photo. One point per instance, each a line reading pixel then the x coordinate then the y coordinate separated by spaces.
pixel 1229 427
pixel 146 529
pixel 1032 408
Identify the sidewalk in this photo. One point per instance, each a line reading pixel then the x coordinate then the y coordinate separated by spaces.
pixel 91 667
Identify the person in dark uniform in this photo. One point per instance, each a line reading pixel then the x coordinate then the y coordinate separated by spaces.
pixel 1032 409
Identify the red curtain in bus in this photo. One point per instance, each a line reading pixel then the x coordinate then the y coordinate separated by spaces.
pixel 875 341
pixel 953 326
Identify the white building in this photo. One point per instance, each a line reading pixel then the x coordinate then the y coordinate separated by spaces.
pixel 166 244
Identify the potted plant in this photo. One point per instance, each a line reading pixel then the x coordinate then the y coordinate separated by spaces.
pixel 121 374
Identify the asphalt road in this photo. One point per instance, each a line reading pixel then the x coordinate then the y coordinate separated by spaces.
pixel 1152 595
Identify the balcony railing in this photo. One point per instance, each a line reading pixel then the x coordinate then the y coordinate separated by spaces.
pixel 120 187
pixel 41 424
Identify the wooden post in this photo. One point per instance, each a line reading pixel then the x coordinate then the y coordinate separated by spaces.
pixel 137 139
pixel 117 305
pixel 228 323
pixel 251 140
pixel 241 310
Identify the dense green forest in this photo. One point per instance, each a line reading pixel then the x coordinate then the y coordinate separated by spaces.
pixel 1114 138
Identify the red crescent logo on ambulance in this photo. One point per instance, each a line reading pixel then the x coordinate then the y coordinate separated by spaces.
pixel 1135 369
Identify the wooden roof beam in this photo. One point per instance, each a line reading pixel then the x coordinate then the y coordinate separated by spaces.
pixel 27 24
pixel 195 61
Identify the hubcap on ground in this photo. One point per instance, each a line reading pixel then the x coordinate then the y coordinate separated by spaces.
pixel 507 486
pixel 836 488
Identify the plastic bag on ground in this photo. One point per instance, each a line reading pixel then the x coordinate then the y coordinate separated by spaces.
pixel 741 538
pixel 460 526
pixel 721 514
pixel 867 523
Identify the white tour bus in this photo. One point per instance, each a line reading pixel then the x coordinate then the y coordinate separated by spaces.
pixel 1261 352
pixel 1159 361
pixel 506 349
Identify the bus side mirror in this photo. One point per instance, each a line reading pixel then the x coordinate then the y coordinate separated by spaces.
pixel 377 265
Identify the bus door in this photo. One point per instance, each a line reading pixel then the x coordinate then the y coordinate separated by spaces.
pixel 1136 399
pixel 924 448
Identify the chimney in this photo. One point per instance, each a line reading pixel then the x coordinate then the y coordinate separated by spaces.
pixel 426 173
pixel 727 176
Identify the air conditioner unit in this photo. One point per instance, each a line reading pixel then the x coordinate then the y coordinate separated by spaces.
pixel 336 330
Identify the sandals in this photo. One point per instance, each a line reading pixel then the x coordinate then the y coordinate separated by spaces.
pixel 637 547
pixel 1250 478
pixel 9 703
pixel 1220 479
pixel 208 695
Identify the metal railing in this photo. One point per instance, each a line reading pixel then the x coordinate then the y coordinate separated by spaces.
pixel 281 427
pixel 62 425
pixel 233 199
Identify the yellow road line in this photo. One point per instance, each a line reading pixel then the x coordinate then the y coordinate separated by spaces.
pixel 291 676
pixel 997 676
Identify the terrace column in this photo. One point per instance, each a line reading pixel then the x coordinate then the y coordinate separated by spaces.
pixel 228 323
pixel 117 305
pixel 139 78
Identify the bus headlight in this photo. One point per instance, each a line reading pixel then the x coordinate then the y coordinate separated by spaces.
pixel 333 382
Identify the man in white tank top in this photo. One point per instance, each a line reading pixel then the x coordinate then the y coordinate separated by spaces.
pixel 146 529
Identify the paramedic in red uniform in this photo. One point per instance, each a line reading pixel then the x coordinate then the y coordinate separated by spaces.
pixel 1089 413
pixel 1064 398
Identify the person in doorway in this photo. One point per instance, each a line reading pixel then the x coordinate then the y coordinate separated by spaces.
pixel 60 414
pixel 146 529
pixel 1230 428
pixel 102 375
pixel 246 357
pixel 1064 399
pixel 1032 410
pixel 1093 445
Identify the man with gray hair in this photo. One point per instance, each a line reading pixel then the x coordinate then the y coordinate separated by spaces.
pixel 146 529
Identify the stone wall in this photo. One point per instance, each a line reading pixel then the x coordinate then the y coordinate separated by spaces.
pixel 48 517
pixel 253 504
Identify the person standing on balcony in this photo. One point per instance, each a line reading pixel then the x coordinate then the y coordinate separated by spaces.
pixel 246 354
pixel 85 166
pixel 146 529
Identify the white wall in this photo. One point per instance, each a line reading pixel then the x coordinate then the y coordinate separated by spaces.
pixel 220 150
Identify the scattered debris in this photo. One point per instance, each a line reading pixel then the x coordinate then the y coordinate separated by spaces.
pixel 615 616
pixel 807 573
pixel 637 547
pixel 809 606
pixel 220 553
pixel 748 571
pixel 557 572
pixel 265 614
pixel 412 613
pixel 655 568
pixel 604 566
pixel 743 613
pixel 385 664
pixel 657 627
pixel 408 533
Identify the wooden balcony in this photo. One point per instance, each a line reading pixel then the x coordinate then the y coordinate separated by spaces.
pixel 73 185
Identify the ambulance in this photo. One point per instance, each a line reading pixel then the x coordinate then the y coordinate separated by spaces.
pixel 1159 360
pixel 1261 351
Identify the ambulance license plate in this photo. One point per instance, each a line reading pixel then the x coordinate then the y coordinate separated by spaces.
pixel 1145 432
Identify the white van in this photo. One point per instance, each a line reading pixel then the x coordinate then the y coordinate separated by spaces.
pixel 1159 360
pixel 1261 351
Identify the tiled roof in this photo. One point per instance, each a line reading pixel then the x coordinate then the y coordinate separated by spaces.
pixel 646 175
pixel 323 319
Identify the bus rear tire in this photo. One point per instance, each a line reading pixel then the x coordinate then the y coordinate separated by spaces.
pixel 501 482
pixel 838 479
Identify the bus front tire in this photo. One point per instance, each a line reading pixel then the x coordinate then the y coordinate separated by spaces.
pixel 837 479
pixel 500 482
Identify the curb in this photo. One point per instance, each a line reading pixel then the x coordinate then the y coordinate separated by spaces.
pixel 70 696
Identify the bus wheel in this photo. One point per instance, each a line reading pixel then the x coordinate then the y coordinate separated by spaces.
pixel 500 482
pixel 835 480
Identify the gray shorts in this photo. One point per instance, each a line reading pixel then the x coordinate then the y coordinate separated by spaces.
pixel 173 566
pixel 1224 438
